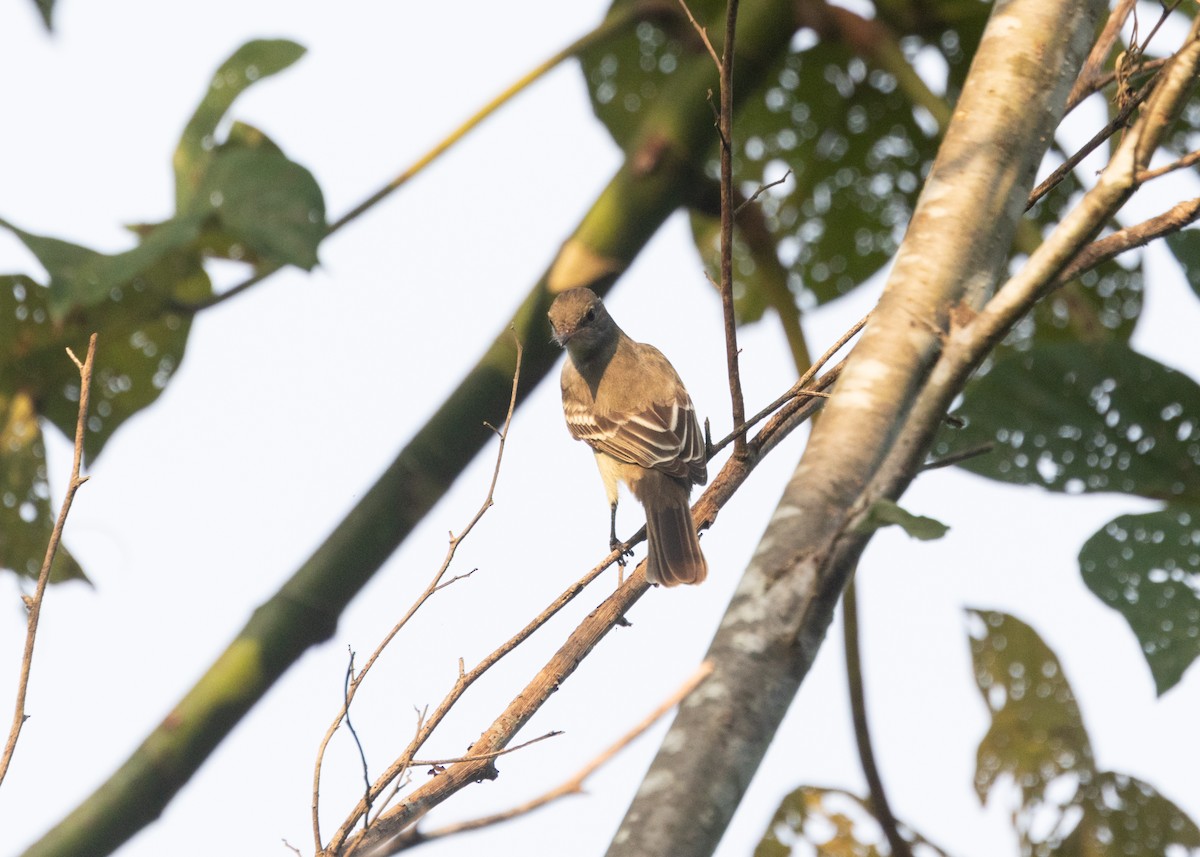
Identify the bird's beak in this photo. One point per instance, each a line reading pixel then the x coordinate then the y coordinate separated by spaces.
pixel 561 337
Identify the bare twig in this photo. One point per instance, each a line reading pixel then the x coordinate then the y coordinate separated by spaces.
pixel 362 755
pixel 737 401
pixel 762 188
pixel 876 795
pixel 800 388
pixel 1115 124
pixel 435 584
pixel 1186 161
pixel 573 785
pixel 476 757
pixel 725 132
pixel 34 603
pixel 1111 246
pixel 958 457
pixel 702 32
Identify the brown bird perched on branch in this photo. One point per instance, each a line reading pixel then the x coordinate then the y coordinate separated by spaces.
pixel 624 400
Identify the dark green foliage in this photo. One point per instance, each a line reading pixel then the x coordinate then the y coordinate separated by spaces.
pixel 240 198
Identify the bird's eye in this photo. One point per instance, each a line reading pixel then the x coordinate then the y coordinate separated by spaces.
pixel 591 315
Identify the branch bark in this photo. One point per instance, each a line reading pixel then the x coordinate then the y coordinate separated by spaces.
pixel 954 252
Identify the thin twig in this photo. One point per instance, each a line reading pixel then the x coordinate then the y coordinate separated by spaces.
pixel 797 389
pixel 1119 121
pixel 435 584
pixel 34 603
pixel 362 755
pixel 1110 246
pixel 958 457
pixel 574 784
pixel 702 32
pixel 1186 161
pixel 725 132
pixel 876 794
pixel 477 757
pixel 463 682
pixel 761 189
pixel 737 401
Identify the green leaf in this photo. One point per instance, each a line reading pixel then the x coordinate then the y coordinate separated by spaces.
pixel 1123 815
pixel 250 63
pixel 1037 733
pixel 141 343
pixel 1083 418
pixel 1147 567
pixel 856 154
pixel 272 205
pixel 81 277
pixel 846 132
pixel 26 517
pixel 1186 247
pixel 1037 742
pixel 884 513
pixel 626 74
pixel 831 822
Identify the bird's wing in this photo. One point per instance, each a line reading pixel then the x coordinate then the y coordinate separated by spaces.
pixel 663 436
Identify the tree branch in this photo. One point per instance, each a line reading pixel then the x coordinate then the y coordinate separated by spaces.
pixel 957 243
pixel 33 604
pixel 876 794
pixel 572 786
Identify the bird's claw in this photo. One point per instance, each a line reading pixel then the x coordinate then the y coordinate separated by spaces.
pixel 625 550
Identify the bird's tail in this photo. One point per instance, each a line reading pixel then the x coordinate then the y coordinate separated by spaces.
pixel 674 550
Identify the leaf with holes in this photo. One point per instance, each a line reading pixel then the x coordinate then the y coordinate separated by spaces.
pixel 1037 733
pixel 1038 740
pixel 1083 418
pixel 267 202
pixel 141 343
pixel 81 277
pixel 827 821
pixel 1122 815
pixel 1147 567
pixel 249 64
pixel 849 136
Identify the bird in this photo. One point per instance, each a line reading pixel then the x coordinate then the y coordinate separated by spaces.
pixel 626 401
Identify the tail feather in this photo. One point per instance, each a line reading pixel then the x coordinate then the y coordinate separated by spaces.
pixel 674 550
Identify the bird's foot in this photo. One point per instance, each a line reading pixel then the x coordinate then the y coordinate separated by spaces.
pixel 625 551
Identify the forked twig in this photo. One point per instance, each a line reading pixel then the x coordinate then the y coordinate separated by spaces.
pixel 34 603
pixel 574 784
pixel 435 584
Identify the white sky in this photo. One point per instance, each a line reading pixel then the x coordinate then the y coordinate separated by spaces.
pixel 293 398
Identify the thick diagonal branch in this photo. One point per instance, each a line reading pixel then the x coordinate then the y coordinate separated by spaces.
pixel 954 251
